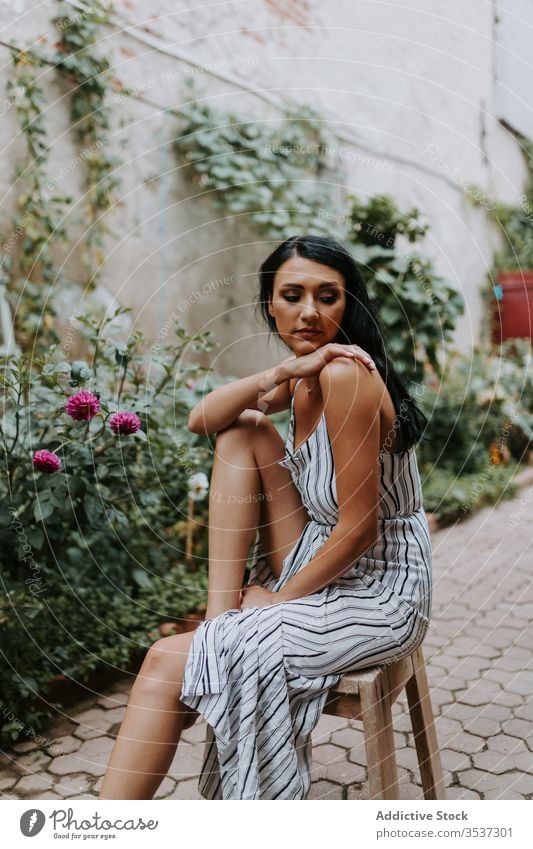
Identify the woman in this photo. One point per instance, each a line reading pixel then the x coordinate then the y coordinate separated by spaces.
pixel 341 498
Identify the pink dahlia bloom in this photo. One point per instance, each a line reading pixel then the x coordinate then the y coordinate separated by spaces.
pixel 46 461
pixel 124 422
pixel 82 406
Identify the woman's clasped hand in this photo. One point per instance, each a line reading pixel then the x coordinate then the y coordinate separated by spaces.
pixel 256 596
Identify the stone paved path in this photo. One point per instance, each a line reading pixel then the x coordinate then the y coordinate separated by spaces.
pixel 479 658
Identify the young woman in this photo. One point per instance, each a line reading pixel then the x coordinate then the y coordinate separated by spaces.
pixel 341 569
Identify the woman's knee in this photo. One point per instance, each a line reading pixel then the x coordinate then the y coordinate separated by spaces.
pixel 250 422
pixel 165 661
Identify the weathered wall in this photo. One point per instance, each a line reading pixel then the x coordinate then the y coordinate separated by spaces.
pixel 410 92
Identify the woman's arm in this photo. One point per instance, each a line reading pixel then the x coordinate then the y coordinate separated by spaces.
pixel 267 391
pixel 352 409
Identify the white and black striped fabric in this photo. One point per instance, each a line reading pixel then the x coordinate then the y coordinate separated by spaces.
pixel 260 676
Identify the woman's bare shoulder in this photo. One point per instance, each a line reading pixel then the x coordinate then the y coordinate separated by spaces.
pixel 353 393
pixel 350 375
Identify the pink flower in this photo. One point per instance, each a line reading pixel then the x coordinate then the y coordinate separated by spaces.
pixel 190 382
pixel 124 422
pixel 82 406
pixel 46 461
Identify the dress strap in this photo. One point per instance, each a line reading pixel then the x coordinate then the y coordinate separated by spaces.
pixel 295 385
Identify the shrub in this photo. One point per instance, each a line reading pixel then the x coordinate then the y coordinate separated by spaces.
pixel 114 507
pixel 482 401
pixel 480 428
pixel 451 497
pixel 419 309
pixel 74 627
pixel 94 543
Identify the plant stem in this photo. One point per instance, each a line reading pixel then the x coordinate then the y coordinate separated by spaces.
pixel 17 420
pixel 121 385
pixel 166 378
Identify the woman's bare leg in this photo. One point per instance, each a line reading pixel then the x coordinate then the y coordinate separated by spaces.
pixel 152 725
pixel 248 489
pixel 246 463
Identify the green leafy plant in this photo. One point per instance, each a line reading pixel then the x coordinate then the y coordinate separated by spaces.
pixel 515 223
pixel 480 429
pixel 27 267
pixel 86 70
pixel 451 497
pixel 37 233
pixel 75 628
pixel 112 491
pixel 482 401
pixel 273 178
pixel 418 307
pixel 95 535
pixel 268 176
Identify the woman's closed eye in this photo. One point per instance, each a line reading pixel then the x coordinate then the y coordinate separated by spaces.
pixel 330 299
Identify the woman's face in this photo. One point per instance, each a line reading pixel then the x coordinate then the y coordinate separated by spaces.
pixel 307 296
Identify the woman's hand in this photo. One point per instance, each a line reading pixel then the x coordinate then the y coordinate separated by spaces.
pixel 255 596
pixel 313 363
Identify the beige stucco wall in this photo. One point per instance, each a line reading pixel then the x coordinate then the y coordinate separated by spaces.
pixel 410 93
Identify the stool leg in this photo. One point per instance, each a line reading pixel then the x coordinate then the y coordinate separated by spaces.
pixel 427 747
pixel 379 741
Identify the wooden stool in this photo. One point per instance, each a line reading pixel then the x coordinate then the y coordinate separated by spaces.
pixel 368 695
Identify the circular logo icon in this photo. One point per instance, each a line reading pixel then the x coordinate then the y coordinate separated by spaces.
pixel 31 822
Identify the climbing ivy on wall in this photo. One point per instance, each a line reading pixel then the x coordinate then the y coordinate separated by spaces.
pixel 87 73
pixel 270 176
pixel 273 176
pixel 27 267
pixel 279 177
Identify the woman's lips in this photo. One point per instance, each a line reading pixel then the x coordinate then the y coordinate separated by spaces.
pixel 307 334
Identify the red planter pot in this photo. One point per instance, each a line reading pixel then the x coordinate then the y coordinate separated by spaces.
pixel 512 315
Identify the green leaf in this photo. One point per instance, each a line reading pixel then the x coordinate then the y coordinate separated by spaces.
pixel 141 578
pixel 35 537
pixel 30 682
pixel 75 555
pixel 42 509
pixel 390 314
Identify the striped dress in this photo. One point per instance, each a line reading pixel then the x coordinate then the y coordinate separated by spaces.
pixel 260 676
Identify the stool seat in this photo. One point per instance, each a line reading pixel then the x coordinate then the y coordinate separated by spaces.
pixel 368 695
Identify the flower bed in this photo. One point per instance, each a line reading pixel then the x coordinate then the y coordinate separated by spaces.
pixel 104 486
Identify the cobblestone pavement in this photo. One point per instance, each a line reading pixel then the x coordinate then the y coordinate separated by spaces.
pixel 478 654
